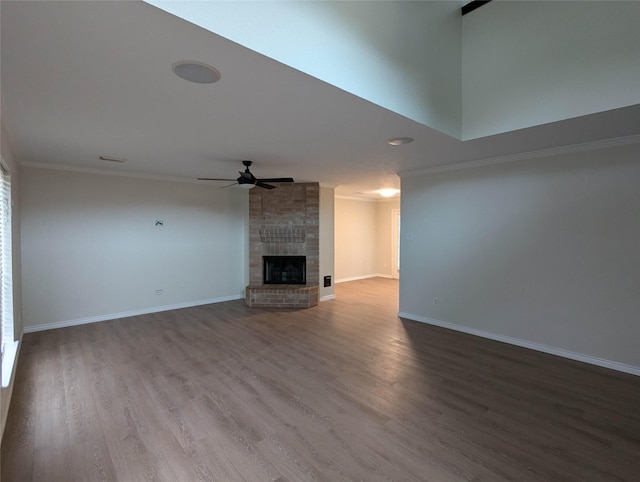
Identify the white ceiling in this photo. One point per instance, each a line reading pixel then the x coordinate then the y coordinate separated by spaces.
pixel 85 79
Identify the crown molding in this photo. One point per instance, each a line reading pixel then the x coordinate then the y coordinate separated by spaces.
pixel 107 172
pixel 554 151
pixel 355 198
pixel 369 199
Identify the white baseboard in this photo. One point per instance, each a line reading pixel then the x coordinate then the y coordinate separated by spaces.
pixel 126 314
pixel 355 278
pixel 327 298
pixel 365 276
pixel 601 362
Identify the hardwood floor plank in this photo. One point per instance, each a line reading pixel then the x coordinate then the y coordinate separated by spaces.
pixel 341 391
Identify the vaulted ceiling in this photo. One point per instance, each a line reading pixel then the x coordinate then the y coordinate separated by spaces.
pixel 81 80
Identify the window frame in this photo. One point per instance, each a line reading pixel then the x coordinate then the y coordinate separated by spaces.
pixel 7 331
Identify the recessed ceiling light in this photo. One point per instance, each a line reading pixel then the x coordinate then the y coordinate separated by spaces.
pixel 388 192
pixel 398 141
pixel 197 72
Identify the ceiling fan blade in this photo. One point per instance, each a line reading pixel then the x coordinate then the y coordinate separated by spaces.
pixel 229 185
pixel 277 179
pixel 246 177
pixel 213 179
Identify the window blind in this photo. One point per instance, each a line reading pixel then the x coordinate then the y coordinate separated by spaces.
pixel 6 273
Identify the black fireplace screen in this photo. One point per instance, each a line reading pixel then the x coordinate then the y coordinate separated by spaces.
pixel 290 270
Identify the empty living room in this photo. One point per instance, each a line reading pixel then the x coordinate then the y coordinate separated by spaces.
pixel 320 240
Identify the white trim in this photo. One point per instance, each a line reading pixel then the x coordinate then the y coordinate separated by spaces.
pixel 370 199
pixel 9 362
pixel 355 278
pixel 107 172
pixel 601 362
pixel 395 243
pixel 366 276
pixel 327 298
pixel 126 314
pixel 554 151
pixel 354 198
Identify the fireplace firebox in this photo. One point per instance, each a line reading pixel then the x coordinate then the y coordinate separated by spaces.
pixel 280 270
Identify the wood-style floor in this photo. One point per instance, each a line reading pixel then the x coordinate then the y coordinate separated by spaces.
pixel 342 391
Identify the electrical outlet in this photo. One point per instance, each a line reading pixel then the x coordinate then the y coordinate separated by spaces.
pixel 160 291
pixel 435 301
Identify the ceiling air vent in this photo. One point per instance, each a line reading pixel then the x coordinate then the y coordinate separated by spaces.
pixel 112 159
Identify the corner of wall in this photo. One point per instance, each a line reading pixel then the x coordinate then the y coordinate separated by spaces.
pixel 327 241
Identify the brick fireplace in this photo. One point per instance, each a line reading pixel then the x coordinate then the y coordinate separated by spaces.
pixel 284 222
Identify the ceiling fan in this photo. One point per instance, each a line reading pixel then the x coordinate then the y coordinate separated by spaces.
pixel 248 181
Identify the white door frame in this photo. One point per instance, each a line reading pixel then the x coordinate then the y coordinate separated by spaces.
pixel 395 243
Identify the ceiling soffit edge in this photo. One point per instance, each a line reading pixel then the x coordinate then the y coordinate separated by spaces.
pixel 554 151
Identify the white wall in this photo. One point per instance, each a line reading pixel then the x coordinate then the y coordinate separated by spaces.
pixel 526 63
pixel 90 246
pixel 508 65
pixel 384 219
pixel 363 238
pixel 355 239
pixel 544 251
pixel 382 51
pixel 327 242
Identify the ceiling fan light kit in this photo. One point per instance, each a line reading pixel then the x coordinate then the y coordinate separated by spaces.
pixel 388 192
pixel 248 181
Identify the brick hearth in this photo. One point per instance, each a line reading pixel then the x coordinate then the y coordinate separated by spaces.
pixel 281 296
pixel 284 222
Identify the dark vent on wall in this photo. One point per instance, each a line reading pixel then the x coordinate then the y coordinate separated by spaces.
pixel 471 6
